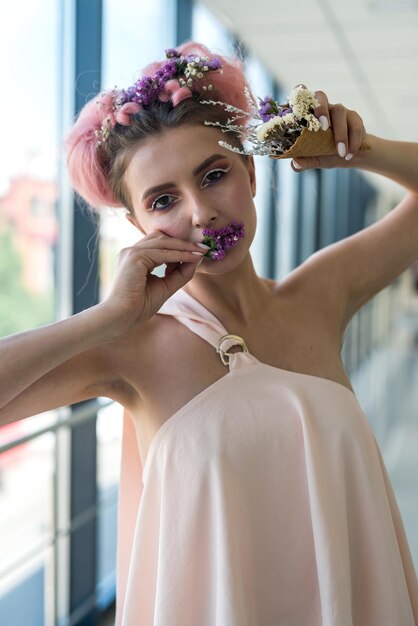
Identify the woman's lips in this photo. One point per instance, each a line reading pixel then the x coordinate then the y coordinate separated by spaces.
pixel 222 239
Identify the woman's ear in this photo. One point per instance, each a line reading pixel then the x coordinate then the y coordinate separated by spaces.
pixel 132 219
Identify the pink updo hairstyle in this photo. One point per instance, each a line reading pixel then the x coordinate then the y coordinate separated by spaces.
pixel 97 172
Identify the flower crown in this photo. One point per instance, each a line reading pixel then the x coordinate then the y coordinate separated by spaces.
pixel 172 81
pixel 279 131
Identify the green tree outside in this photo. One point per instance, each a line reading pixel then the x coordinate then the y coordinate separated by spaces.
pixel 19 310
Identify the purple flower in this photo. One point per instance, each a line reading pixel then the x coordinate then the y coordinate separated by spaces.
pixel 171 52
pixel 267 108
pixel 149 89
pixel 222 239
pixel 213 64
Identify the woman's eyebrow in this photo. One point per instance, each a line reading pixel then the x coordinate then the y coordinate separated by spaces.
pixel 196 171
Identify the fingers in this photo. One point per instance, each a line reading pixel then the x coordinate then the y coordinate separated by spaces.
pixel 159 240
pixel 338 114
pixel 153 257
pixel 348 131
pixel 322 111
pixel 356 132
pixel 179 274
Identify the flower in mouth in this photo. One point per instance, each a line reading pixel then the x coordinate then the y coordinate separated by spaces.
pixel 222 239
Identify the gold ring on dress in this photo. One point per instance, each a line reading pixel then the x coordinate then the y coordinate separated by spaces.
pixel 224 353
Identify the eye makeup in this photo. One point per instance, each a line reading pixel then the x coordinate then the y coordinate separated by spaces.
pixel 224 171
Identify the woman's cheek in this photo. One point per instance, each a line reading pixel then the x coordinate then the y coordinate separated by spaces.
pixel 172 228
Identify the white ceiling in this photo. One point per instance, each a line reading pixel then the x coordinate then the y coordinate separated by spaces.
pixel 363 53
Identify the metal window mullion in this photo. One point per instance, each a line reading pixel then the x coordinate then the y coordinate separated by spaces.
pixel 184 15
pixel 85 293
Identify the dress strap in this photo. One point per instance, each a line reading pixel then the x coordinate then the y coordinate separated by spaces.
pixel 201 321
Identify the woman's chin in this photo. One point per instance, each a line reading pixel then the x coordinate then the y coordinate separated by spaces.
pixel 229 262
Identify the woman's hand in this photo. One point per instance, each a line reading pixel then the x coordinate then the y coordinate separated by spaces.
pixel 349 132
pixel 136 294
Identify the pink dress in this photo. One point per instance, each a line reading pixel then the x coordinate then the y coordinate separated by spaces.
pixel 264 501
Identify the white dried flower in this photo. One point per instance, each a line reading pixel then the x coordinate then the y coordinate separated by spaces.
pixel 313 122
pixel 275 122
pixel 302 100
pixel 224 144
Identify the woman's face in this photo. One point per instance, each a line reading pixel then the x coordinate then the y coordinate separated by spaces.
pixel 181 182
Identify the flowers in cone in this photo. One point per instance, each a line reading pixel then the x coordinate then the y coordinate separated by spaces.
pixel 276 126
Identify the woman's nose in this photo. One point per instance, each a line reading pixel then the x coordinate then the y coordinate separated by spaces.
pixel 203 216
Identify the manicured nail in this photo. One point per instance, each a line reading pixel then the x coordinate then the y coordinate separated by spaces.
pixel 199 253
pixel 295 164
pixel 348 156
pixel 341 149
pixel 324 122
pixel 204 246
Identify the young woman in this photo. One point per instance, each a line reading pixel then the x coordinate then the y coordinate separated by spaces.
pixel 252 490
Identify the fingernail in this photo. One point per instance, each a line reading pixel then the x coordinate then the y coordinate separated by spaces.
pixel 341 149
pixel 295 164
pixel 348 156
pixel 204 246
pixel 324 122
pixel 199 253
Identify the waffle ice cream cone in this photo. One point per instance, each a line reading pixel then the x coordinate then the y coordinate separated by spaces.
pixel 314 143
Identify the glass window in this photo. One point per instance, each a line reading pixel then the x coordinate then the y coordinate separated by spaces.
pixel 208 30
pixel 134 34
pixel 28 171
pixel 30 53
pixel 261 86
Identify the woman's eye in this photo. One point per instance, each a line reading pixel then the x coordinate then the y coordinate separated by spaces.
pixel 164 205
pixel 212 177
pixel 216 172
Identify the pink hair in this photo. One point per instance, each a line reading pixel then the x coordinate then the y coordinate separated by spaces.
pixel 85 161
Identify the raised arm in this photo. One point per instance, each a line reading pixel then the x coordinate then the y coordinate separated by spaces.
pixel 368 261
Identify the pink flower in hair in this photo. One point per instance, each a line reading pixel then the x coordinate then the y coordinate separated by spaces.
pixel 172 80
pixel 172 86
pixel 177 92
pixel 181 94
pixel 123 116
pixel 164 97
pixel 106 102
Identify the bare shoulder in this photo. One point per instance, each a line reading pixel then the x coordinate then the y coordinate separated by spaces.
pixel 131 359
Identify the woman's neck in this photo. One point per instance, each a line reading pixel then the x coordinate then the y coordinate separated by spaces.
pixel 236 297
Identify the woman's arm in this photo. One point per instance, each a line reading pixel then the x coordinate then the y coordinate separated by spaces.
pixel 54 365
pixel 77 358
pixel 367 261
pixel 397 160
